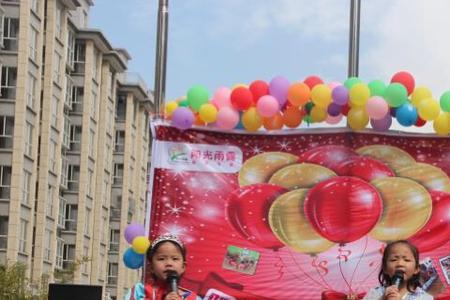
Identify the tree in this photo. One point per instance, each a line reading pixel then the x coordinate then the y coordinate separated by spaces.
pixel 14 285
pixel 67 275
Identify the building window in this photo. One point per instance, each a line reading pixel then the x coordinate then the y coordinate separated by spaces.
pixel 90 183
pixel 109 117
pixel 52 155
pixel 62 212
pixel 34 4
pixel 5 182
pixel 33 43
pixel 119 144
pixel 64 171
pixel 114 240
pixel 87 222
pixel 9 82
pixel 104 229
pixel 121 106
pixel 3 232
pixel 6 132
pixel 68 255
pixel 69 92
pixel 29 139
pixel 95 62
pixel 59 253
pixel 94 105
pixel 54 107
pixel 10 34
pixel 108 154
pixel 71 217
pixel 73 177
pixel 47 245
pixel 75 137
pixel 57 69
pixel 31 91
pixel 50 200
pixel 70 48
pixel 77 99
pixel 91 143
pixel 59 22
pixel 80 57
pixel 23 236
pixel 26 186
pixel 118 174
pixel 85 265
pixel 112 273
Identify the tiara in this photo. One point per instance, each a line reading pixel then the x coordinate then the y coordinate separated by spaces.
pixel 167 237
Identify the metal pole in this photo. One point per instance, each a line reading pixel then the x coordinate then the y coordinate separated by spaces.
pixel 353 49
pixel 161 56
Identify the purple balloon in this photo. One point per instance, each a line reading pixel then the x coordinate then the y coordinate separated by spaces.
pixel 278 87
pixel 340 95
pixel 382 124
pixel 133 230
pixel 182 118
pixel 334 110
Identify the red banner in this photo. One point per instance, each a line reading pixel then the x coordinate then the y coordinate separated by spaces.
pixel 300 216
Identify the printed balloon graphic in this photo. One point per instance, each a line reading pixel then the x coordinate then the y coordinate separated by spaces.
pixel 436 231
pixel 328 156
pixel 289 224
pixel 343 209
pixel 303 175
pixel 247 211
pixel 406 208
pixel 259 168
pixel 394 157
pixel 433 178
pixel 365 168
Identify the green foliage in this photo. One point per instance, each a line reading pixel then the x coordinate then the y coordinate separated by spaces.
pixel 14 285
pixel 67 275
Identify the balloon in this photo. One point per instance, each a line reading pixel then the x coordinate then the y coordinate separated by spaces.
pixel 419 94
pixel 365 168
pixel 289 224
pixel 132 259
pixel 182 118
pixel 133 230
pixel 259 88
pixel 395 94
pixel 343 209
pixel 377 108
pixel 332 120
pixel 197 95
pixel 420 122
pixel 298 94
pixel 247 211
pixel 444 101
pixel 382 124
pixel 329 156
pixel 436 231
pixel 351 81
pixel 273 123
pixel 183 103
pixel 345 109
pixel 312 81
pixel 406 114
pixel 278 87
pixel 333 109
pixel 140 244
pixel 406 79
pixel 377 88
pixel 297 176
pixel 227 118
pixel 208 113
pixel 359 94
pixel 318 114
pixel 241 98
pixel 259 168
pixel 292 117
pixel 441 124
pixel 170 107
pixel 334 84
pixel 267 106
pixel 221 97
pixel 321 95
pixel 428 109
pixel 357 118
pixel 394 157
pixel 251 120
pixel 433 178
pixel 340 95
pixel 406 208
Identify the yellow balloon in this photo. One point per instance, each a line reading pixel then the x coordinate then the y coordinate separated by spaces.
pixel 394 157
pixel 239 85
pixel 357 118
pixel 433 178
pixel 428 109
pixel 140 244
pixel 290 226
pixel 304 175
pixel 321 95
pixel 441 124
pixel 261 167
pixel 406 208
pixel 318 114
pixel 170 108
pixel 251 120
pixel 359 94
pixel 208 113
pixel 419 94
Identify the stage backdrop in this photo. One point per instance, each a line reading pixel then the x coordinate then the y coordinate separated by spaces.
pixel 301 215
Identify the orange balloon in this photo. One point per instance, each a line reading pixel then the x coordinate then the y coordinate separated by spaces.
pixel 198 121
pixel 298 94
pixel 273 123
pixel 292 117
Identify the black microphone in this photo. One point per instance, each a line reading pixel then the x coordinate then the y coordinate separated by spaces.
pixel 172 281
pixel 397 279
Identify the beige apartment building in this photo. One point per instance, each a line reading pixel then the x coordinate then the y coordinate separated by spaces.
pixel 74 145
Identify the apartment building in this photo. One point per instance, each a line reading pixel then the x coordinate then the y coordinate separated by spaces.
pixel 74 145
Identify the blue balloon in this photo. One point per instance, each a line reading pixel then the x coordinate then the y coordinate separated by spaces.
pixel 132 259
pixel 406 114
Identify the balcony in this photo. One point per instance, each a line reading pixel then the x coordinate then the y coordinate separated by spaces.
pixel 114 247
pixel 71 225
pixel 115 213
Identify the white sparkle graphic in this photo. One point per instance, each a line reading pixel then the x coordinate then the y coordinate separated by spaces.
pixel 284 145
pixel 256 150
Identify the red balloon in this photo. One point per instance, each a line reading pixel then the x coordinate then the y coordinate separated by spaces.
pixel 241 98
pixel 343 209
pixel 436 231
pixel 364 167
pixel 259 88
pixel 312 81
pixel 406 79
pixel 345 109
pixel 420 122
pixel 329 156
pixel 247 211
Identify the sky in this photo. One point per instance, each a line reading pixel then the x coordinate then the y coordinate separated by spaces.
pixel 226 42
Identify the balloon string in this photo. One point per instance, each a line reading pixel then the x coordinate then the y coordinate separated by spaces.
pixel 306 274
pixel 320 275
pixel 370 274
pixel 360 258
pixel 343 276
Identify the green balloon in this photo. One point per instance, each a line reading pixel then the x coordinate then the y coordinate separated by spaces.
pixel 377 88
pixel 351 81
pixel 445 101
pixel 197 95
pixel 183 103
pixel 395 94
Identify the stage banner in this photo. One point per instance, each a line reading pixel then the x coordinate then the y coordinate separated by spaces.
pixel 303 215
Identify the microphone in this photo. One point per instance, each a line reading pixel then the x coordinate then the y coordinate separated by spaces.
pixel 397 279
pixel 172 281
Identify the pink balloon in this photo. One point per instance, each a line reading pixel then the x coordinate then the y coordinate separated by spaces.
pixel 267 106
pixel 334 84
pixel 333 119
pixel 377 108
pixel 227 118
pixel 221 97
